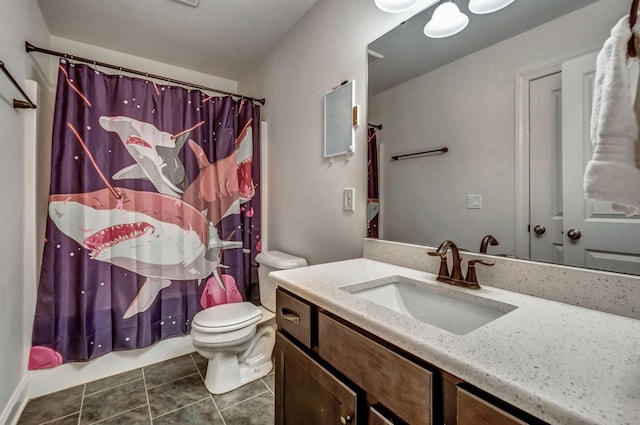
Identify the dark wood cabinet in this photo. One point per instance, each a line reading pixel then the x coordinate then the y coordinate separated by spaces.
pixel 378 418
pixel 400 385
pixel 306 393
pixel 329 371
pixel 478 409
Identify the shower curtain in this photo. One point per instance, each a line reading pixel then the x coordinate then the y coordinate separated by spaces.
pixel 154 213
pixel 373 203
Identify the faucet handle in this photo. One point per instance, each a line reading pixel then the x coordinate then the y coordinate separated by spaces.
pixel 444 269
pixel 473 262
pixel 472 279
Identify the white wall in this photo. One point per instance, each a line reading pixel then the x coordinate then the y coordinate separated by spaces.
pixel 19 21
pixel 326 47
pixel 100 54
pixel 469 106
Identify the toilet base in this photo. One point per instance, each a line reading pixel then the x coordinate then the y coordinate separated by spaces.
pixel 227 371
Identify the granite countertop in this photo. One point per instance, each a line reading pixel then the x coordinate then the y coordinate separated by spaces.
pixel 563 364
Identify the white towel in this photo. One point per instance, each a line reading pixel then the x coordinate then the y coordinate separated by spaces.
pixel 612 175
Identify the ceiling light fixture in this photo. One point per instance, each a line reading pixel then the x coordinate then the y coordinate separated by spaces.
pixel 446 21
pixel 395 6
pixel 482 7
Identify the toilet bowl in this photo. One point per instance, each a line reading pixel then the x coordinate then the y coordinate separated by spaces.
pixel 238 338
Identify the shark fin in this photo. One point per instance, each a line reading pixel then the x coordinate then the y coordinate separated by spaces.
pixel 203 161
pixel 134 171
pixel 146 296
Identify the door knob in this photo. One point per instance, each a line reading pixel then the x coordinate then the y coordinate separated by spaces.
pixel 539 230
pixel 574 234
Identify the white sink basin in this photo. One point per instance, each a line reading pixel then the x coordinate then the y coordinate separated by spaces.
pixel 452 310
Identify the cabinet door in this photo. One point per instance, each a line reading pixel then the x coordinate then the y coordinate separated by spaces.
pixel 472 410
pixel 306 393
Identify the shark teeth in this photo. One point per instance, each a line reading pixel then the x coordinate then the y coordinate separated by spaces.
pixel 134 140
pixel 113 235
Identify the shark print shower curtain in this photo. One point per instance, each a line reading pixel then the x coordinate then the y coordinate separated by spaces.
pixel 154 213
pixel 373 203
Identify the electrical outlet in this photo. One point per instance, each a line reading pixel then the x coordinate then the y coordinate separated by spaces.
pixel 348 198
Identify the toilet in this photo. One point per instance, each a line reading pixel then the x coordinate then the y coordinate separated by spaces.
pixel 238 338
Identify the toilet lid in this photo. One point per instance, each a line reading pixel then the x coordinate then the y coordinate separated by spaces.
pixel 226 317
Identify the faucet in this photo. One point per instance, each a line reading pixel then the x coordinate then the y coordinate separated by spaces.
pixel 456 277
pixel 486 241
pixel 456 272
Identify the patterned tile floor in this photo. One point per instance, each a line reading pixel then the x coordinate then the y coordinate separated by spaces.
pixel 167 393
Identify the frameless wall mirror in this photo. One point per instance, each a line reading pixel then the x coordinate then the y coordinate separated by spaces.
pixel 509 96
pixel 338 121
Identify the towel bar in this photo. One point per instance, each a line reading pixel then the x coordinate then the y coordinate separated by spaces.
pixel 17 103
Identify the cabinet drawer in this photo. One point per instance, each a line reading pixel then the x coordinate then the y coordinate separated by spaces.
pixel 377 418
pixel 294 317
pixel 472 410
pixel 397 383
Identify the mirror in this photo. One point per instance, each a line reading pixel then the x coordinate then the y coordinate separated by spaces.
pixel 480 94
pixel 338 121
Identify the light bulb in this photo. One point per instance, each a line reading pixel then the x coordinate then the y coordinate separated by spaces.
pixel 395 6
pixel 446 21
pixel 482 7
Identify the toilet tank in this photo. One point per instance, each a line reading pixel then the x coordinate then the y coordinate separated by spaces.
pixel 270 261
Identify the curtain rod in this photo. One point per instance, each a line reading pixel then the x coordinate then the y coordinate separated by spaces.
pixel 31 48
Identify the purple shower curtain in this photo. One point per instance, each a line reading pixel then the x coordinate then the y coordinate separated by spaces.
pixel 154 213
pixel 373 203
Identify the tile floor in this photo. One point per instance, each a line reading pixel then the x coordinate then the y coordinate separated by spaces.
pixel 167 393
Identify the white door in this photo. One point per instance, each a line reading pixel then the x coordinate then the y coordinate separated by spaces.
pixel 545 168
pixel 595 235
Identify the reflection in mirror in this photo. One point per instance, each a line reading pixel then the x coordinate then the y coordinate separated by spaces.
pixel 510 97
pixel 338 120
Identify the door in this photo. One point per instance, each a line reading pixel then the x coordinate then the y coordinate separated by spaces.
pixel 306 393
pixel 545 168
pixel 595 236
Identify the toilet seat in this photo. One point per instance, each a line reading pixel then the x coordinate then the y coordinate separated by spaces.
pixel 226 317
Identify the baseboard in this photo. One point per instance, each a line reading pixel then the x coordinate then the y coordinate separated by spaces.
pixel 12 411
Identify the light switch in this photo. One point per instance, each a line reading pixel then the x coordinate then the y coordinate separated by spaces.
pixel 474 201
pixel 348 200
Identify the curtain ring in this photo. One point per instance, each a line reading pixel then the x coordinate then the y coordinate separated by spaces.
pixel 95 67
pixel 146 78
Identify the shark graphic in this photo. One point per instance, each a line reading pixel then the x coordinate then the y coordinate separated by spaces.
pixel 156 154
pixel 221 187
pixel 151 234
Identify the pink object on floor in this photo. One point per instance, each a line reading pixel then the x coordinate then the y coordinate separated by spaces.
pixel 42 357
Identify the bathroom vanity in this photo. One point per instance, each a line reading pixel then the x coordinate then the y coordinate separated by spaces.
pixel 345 357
